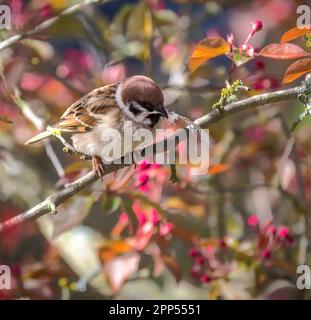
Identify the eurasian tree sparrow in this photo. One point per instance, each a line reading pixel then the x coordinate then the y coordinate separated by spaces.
pixel 138 99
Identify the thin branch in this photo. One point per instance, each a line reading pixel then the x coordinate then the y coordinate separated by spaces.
pixel 47 23
pixel 39 123
pixel 293 152
pixel 50 204
pixel 54 159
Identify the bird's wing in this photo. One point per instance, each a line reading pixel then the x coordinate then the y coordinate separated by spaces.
pixel 88 111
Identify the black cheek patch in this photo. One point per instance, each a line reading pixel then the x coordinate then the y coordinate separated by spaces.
pixel 134 110
pixel 154 119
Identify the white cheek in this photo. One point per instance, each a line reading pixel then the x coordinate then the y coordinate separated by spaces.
pixel 122 105
pixel 142 117
pixel 146 121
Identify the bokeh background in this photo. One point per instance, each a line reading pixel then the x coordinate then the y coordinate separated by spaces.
pixel 237 232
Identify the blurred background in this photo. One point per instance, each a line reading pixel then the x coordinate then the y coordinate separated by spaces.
pixel 237 232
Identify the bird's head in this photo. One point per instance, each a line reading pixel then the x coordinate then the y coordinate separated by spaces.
pixel 141 100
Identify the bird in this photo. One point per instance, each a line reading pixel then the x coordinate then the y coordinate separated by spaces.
pixel 138 99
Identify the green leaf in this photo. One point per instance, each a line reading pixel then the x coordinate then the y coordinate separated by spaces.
pixel 239 58
pixel 5 119
pixel 164 18
pixel 111 204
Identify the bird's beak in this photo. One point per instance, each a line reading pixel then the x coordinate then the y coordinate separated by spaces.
pixel 163 112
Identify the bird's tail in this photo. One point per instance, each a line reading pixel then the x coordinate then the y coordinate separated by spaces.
pixel 38 137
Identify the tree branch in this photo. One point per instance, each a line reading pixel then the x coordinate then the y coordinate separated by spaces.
pixel 50 203
pixel 46 24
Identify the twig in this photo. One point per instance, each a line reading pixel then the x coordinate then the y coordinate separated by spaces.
pixel 54 159
pixel 38 122
pixel 173 177
pixel 205 122
pixel 47 23
pixel 292 150
pixel 68 148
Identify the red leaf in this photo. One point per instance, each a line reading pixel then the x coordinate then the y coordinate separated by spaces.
pixel 110 249
pixel 297 69
pixel 283 51
pixel 142 237
pixel 120 269
pixel 295 33
pixel 218 168
pixel 173 266
pixel 206 49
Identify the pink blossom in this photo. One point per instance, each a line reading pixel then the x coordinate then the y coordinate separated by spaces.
pixel 256 26
pixel 193 252
pixel 140 214
pixel 114 73
pixel 31 81
pixel 290 239
pixel 45 11
pixel 199 261
pixel 283 232
pixel 259 65
pixel 208 250
pixel 195 271
pixel 270 229
pixel 143 182
pixel 16 5
pixel 124 218
pixel 247 49
pixel 222 243
pixel 143 165
pixel 143 179
pixel 63 70
pixel 230 39
pixel 155 166
pixel 156 4
pixel 253 220
pixel 255 133
pixel 142 218
pixel 266 254
pixel 204 278
pixel 155 217
pixel 266 83
pixel 78 58
pixel 166 229
pixel 169 51
pixel 74 62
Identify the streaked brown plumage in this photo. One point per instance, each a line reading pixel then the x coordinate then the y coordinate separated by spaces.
pixel 138 99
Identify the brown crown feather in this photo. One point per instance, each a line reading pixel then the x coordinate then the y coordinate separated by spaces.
pixel 142 90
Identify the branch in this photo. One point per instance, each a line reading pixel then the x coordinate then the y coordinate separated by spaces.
pixel 50 204
pixel 38 122
pixel 45 24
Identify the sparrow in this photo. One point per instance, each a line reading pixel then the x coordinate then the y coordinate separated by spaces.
pixel 138 99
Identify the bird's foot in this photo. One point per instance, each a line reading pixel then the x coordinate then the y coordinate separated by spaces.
pixel 98 166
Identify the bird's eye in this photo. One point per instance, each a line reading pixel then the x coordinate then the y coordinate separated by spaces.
pixel 134 109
